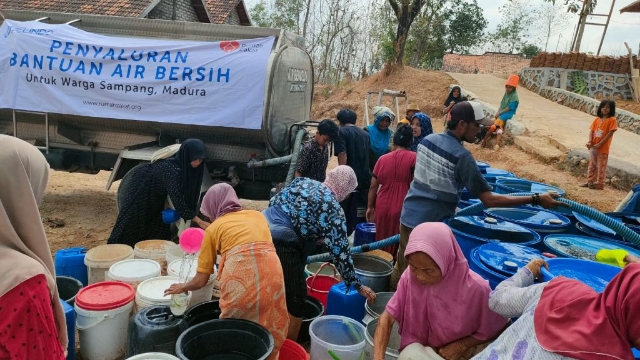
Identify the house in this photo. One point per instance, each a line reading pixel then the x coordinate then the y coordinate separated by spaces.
pixel 232 12
pixel 634 7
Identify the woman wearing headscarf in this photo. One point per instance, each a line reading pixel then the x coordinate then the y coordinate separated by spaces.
pixel 506 110
pixel 390 183
pixel 566 319
pixel 250 275
pixel 440 302
pixel 32 325
pixel 146 190
pixel 455 96
pixel 306 213
pixel 379 133
pixel 421 125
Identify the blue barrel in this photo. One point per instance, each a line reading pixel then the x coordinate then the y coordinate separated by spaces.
pixel 345 303
pixel 496 262
pixel 494 174
pixel 626 218
pixel 483 166
pixel 594 274
pixel 70 316
pixel 581 247
pixel 593 228
pixel 365 234
pixel 541 221
pixel 466 203
pixel 508 186
pixel 474 231
pixel 70 262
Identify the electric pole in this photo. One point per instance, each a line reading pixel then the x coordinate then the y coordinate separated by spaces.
pixel 582 22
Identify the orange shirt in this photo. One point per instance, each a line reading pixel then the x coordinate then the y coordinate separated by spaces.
pixel 228 231
pixel 600 128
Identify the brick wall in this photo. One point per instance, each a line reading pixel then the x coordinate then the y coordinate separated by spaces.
pixel 164 10
pixel 234 18
pixel 489 63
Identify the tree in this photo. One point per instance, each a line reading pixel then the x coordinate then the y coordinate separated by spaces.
pixel 465 27
pixel 512 33
pixel 406 11
pixel 530 50
pixel 551 19
pixel 574 6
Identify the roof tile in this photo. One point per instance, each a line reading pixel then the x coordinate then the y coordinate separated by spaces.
pixel 127 8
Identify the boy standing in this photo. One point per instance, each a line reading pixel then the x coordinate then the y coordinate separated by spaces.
pixel 314 155
pixel 600 136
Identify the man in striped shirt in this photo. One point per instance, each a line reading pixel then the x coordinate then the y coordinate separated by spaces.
pixel 443 168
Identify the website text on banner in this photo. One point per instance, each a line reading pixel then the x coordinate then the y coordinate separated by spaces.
pixel 62 69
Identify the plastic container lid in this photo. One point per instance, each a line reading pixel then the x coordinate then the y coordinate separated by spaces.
pixel 493 229
pixel 134 270
pixel 153 247
pixel 104 296
pixel 528 186
pixel 530 217
pixel 499 172
pixel 594 274
pixel 594 225
pixel 110 253
pixel 483 166
pixel 505 258
pixel 152 290
pixel 582 247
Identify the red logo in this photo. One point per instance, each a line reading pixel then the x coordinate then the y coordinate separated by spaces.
pixel 229 46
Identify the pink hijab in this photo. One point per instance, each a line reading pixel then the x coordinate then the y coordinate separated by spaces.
pixel 341 181
pixel 220 200
pixel 454 308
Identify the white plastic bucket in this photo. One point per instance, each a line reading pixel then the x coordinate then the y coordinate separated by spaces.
pixel 154 250
pixel 151 292
pixel 174 253
pixel 153 356
pixel 343 335
pixel 100 258
pixel 197 296
pixel 102 316
pixel 134 271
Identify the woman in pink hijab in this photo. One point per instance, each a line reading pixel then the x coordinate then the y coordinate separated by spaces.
pixel 440 302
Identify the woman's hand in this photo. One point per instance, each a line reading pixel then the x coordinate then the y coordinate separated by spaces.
pixel 631 259
pixel 201 223
pixel 371 214
pixel 369 294
pixel 175 289
pixel 453 351
pixel 535 265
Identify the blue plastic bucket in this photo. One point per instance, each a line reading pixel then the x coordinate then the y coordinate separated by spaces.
pixel 483 166
pixel 581 247
pixel 541 221
pixel 594 274
pixel 70 262
pixel 345 303
pixel 365 234
pixel 508 186
pixel 70 316
pixel 474 231
pixel 496 262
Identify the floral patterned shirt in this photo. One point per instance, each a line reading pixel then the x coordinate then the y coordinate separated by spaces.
pixel 316 215
pixel 313 161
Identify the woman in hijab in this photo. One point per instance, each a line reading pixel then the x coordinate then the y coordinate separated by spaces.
pixel 379 133
pixel 455 96
pixel 389 185
pixel 306 213
pixel 566 319
pixel 506 111
pixel 421 125
pixel 440 302
pixel 146 190
pixel 250 275
pixel 32 325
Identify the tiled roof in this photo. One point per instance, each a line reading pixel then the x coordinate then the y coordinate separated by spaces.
pixel 219 11
pixel 127 8
pixel 634 7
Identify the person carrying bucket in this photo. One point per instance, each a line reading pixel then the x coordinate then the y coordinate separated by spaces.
pixel 32 325
pixel 506 111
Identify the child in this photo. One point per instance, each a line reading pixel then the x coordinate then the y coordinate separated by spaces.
pixel 602 130
pixel 314 155
pixel 506 111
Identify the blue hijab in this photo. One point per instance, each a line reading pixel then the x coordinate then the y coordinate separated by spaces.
pixel 379 139
pixel 425 129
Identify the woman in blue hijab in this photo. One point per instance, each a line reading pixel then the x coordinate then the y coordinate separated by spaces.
pixel 379 133
pixel 421 125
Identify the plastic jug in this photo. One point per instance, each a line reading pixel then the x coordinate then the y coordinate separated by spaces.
pixel 70 262
pixel 343 303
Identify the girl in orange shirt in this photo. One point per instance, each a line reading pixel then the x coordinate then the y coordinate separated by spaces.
pixel 600 136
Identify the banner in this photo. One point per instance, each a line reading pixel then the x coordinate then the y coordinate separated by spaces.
pixel 62 69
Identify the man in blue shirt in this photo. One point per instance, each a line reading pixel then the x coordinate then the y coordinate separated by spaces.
pixel 443 168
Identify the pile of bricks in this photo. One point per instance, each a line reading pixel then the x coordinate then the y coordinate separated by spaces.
pixel 584 62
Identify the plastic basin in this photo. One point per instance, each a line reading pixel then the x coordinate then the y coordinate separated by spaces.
pixel 596 275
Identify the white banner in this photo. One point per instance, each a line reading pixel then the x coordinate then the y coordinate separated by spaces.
pixel 61 69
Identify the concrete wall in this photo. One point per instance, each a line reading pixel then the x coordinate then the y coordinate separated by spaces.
pixel 489 63
pixel 599 85
pixel 164 10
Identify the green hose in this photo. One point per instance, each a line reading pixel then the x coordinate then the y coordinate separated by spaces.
pixel 587 211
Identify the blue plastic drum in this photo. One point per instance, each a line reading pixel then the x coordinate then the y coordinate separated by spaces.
pixel 594 274
pixel 498 261
pixel 474 231
pixel 581 247
pixel 541 221
pixel 365 234
pixel 508 186
pixel 593 228
pixel 483 166
pixel 494 174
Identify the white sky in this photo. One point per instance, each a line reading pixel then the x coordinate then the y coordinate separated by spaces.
pixel 622 27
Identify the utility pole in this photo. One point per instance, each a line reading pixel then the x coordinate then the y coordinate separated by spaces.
pixel 584 13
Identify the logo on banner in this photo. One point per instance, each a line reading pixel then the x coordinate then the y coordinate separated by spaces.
pixel 229 46
pixel 24 30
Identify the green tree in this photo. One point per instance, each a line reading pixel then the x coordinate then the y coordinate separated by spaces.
pixel 466 25
pixel 406 11
pixel 530 50
pixel 574 6
pixel 260 15
pixel 513 31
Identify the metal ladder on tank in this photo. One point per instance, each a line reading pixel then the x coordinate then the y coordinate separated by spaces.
pixel 46 126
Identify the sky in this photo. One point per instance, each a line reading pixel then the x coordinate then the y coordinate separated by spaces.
pixel 622 27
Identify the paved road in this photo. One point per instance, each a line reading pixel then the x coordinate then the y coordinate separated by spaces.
pixel 542 117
